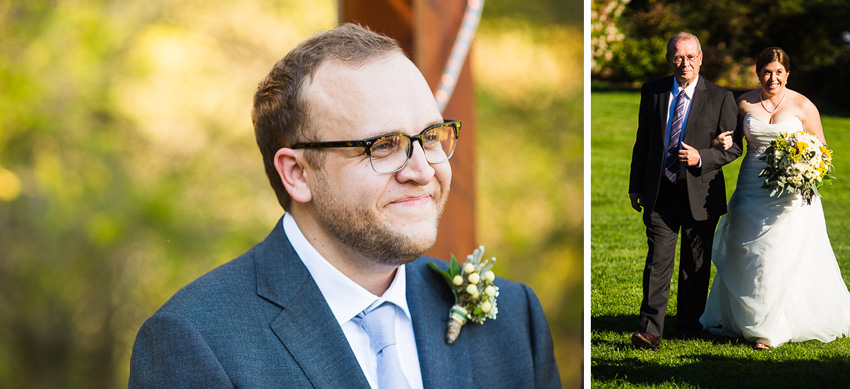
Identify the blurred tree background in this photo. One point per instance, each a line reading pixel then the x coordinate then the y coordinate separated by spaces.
pixel 128 166
pixel 629 37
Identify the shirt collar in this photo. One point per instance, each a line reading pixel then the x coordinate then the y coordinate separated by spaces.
pixel 345 297
pixel 689 90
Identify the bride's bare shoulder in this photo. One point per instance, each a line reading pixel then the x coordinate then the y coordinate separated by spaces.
pixel 802 102
pixel 798 98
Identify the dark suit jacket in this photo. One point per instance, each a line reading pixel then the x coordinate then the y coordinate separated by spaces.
pixel 260 321
pixel 713 110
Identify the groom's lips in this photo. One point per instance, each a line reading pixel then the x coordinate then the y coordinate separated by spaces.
pixel 417 200
pixel 412 200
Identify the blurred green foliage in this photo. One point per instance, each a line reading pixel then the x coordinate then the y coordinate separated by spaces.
pixel 629 38
pixel 128 165
pixel 530 211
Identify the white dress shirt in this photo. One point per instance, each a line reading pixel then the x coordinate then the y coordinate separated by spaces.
pixel 346 299
pixel 689 91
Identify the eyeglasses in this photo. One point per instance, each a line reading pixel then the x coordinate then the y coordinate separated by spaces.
pixel 679 59
pixel 389 153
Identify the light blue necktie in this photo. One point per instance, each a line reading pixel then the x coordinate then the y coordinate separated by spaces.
pixel 379 324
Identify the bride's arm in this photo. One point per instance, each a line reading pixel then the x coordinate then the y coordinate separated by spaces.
pixel 723 141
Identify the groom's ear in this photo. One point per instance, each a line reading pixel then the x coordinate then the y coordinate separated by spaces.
pixel 295 173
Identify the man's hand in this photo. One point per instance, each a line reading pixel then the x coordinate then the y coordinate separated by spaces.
pixel 637 199
pixel 688 155
pixel 723 141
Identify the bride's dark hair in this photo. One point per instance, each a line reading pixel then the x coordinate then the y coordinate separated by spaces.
pixel 772 54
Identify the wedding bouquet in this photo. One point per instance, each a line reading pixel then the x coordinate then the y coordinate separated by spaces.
pixel 797 162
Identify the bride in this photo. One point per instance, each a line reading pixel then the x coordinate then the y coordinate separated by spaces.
pixel 777 278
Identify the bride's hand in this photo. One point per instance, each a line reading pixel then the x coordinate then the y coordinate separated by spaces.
pixel 722 141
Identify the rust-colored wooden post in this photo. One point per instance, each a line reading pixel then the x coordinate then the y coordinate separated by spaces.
pixel 426 30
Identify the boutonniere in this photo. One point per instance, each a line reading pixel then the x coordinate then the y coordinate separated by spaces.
pixel 473 290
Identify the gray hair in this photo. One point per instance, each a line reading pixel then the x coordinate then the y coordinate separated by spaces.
pixel 682 36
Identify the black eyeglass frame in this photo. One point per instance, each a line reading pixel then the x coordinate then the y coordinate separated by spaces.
pixel 368 142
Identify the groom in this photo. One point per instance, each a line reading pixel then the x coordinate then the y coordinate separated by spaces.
pixel 342 270
pixel 676 178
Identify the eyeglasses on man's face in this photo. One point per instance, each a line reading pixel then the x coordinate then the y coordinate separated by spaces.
pixel 678 60
pixel 389 153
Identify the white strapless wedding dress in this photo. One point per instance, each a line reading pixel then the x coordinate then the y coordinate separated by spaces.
pixel 777 278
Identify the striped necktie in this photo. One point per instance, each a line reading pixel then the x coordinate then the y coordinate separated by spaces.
pixel 671 164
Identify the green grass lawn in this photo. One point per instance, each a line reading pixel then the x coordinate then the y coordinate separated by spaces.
pixel 618 249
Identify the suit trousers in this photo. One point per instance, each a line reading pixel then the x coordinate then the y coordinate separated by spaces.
pixel 672 214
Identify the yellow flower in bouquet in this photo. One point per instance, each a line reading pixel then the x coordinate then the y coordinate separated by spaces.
pixel 798 163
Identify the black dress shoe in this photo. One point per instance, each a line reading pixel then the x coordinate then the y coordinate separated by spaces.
pixel 645 340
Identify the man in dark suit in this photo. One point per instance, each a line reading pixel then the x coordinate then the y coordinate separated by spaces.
pixel 676 177
pixel 339 122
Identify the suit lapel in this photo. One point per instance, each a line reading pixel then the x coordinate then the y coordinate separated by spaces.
pixel 663 98
pixel 429 300
pixel 306 326
pixel 696 107
pixel 308 330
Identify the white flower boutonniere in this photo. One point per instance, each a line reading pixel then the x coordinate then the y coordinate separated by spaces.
pixel 473 289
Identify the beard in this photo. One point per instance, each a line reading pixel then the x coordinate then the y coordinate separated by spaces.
pixel 361 228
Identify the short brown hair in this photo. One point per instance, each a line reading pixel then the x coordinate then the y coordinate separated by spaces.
pixel 280 113
pixel 772 54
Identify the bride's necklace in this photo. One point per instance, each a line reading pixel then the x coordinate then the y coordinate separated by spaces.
pixel 775 107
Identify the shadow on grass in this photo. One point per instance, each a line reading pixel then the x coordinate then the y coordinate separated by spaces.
pixel 629 324
pixel 612 87
pixel 842 111
pixel 706 370
pixel 711 371
pixel 620 323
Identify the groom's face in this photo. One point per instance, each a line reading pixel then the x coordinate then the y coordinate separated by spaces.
pixel 685 58
pixel 390 218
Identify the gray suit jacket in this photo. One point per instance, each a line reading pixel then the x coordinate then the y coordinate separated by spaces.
pixel 713 110
pixel 260 321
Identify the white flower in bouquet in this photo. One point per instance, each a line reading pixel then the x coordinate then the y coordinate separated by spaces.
pixel 798 163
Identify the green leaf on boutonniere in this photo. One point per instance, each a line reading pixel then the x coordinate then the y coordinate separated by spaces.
pixel 453 270
pixel 454 267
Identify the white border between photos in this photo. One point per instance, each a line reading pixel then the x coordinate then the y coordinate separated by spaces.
pixel 586 138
